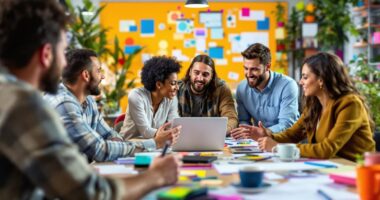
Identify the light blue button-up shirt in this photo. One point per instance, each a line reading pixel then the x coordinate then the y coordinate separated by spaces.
pixel 276 106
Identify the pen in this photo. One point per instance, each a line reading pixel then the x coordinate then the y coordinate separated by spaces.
pixel 327 197
pixel 321 165
pixel 167 143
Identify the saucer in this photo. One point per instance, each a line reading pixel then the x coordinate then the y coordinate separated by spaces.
pixel 251 190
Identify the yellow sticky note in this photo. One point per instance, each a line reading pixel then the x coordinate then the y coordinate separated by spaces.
pixel 280 33
pixel 198 173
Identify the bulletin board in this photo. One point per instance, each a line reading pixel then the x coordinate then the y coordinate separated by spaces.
pixel 222 31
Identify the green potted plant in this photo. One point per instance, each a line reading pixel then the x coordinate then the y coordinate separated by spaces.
pixel 88 33
pixel 367 80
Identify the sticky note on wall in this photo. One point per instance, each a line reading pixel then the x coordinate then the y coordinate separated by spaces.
pixel 147 27
pixel 216 52
pixel 263 24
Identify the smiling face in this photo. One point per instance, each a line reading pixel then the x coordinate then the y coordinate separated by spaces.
pixel 255 72
pixel 310 82
pixel 96 77
pixel 200 77
pixel 169 87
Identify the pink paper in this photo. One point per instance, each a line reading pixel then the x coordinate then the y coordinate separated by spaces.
pixel 245 12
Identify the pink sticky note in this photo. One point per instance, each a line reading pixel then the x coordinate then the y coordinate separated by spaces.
pixel 376 37
pixel 245 12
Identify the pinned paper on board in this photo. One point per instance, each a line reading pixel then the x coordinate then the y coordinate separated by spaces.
pixel 212 44
pixel 280 33
pixel 173 16
pixel 263 24
pixel 163 44
pixel 237 59
pixel 189 43
pixel 178 54
pixel 233 76
pixel 200 32
pixel 145 57
pixel 221 62
pixel 248 38
pixel 127 26
pixel 147 27
pixel 178 36
pixel 200 44
pixel 252 15
pixel 161 26
pixel 309 29
pixel 130 49
pixel 212 19
pixel 217 33
pixel 129 41
pixel 185 26
pixel 231 21
pixel 216 52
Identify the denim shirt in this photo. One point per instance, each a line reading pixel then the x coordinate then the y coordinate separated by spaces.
pixel 276 106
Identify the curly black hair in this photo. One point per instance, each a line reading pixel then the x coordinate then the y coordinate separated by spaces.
pixel 158 68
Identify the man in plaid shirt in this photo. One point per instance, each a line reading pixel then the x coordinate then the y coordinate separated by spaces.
pixel 80 115
pixel 37 158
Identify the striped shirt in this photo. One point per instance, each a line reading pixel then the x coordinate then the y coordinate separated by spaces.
pixel 87 128
pixel 37 158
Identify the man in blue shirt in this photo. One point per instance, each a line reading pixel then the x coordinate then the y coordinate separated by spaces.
pixel 268 98
pixel 80 115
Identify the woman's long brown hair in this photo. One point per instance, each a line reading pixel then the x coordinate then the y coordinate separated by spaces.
pixel 336 82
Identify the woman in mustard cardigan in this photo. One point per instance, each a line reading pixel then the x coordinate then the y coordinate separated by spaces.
pixel 335 118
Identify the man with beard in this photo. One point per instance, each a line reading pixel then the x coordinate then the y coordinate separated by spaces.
pixel 37 158
pixel 79 112
pixel 268 98
pixel 203 94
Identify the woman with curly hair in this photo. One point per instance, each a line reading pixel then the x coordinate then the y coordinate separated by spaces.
pixel 335 119
pixel 151 106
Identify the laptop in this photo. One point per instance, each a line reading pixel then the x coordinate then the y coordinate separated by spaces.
pixel 200 133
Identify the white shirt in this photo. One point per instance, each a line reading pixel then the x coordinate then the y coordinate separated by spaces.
pixel 139 119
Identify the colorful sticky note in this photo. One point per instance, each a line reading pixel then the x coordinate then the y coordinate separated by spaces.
pixel 127 26
pixel 263 25
pixel 245 12
pixel 280 33
pixel 131 49
pixel 133 28
pixel 200 32
pixel 217 33
pixel 147 27
pixel 216 52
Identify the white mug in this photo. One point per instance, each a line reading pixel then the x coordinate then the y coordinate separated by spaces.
pixel 286 151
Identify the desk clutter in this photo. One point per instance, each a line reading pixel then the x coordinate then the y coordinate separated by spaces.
pixel 248 174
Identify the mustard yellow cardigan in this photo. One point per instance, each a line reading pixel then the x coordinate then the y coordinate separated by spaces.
pixel 343 131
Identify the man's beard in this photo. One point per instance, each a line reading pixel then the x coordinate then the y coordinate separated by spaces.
pixel 49 82
pixel 93 87
pixel 258 80
pixel 205 86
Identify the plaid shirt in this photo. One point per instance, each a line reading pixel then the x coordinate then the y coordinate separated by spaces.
pixel 87 128
pixel 37 158
pixel 219 103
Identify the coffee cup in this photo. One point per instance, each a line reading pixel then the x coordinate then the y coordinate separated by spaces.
pixel 286 152
pixel 251 176
pixel 371 158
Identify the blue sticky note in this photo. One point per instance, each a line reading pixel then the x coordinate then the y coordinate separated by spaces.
pixel 216 52
pixel 128 49
pixel 263 25
pixel 147 26
pixel 133 28
pixel 216 33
